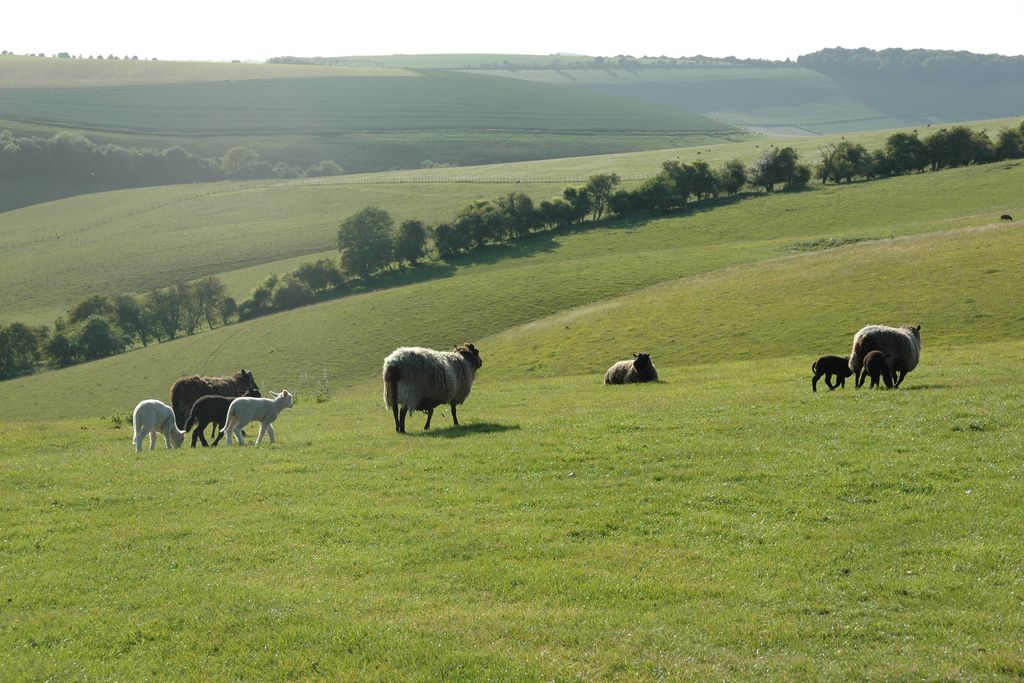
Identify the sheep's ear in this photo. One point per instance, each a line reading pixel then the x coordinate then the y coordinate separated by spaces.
pixel 635 355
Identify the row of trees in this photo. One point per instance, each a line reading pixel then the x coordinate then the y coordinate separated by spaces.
pixel 917 65
pixel 75 158
pixel 906 153
pixel 370 240
pixel 102 326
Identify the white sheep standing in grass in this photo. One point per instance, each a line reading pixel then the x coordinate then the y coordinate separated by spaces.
pixel 246 409
pixel 422 379
pixel 152 416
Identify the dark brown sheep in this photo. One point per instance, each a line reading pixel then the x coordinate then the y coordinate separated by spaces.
pixel 188 390
pixel 876 366
pixel 1006 217
pixel 831 366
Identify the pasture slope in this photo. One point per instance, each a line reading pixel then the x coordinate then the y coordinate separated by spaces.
pixel 365 119
pixel 245 231
pixel 724 523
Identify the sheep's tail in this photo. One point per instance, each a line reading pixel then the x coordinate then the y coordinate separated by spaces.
pixel 391 376
pixel 814 367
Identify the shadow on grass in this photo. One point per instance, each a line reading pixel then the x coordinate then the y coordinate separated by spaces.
pixel 923 387
pixel 467 430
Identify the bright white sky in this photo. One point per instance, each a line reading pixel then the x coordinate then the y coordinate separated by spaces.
pixel 223 30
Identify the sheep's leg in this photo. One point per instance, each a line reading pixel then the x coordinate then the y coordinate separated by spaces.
pixel 394 412
pixel 197 434
pixel 137 440
pixel 220 435
pixel 898 381
pixel 455 415
pixel 814 382
pixel 239 433
pixel 167 440
pixel 401 419
pixel 270 431
pixel 263 430
pixel 430 416
pixel 828 382
pixel 152 440
pixel 227 429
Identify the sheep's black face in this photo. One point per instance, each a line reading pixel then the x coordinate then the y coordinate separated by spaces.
pixel 252 384
pixel 642 360
pixel 471 354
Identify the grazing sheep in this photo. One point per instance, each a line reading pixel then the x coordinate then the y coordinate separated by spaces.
pixel 1006 217
pixel 640 369
pixel 901 346
pixel 876 365
pixel 188 390
pixel 246 409
pixel 829 366
pixel 422 379
pixel 152 416
pixel 211 409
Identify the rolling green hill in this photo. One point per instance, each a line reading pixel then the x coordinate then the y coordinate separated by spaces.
pixel 555 273
pixel 723 523
pixel 363 119
pixel 245 231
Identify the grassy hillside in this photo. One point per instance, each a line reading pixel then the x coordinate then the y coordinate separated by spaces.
pixel 37 72
pixel 162 235
pixel 725 523
pixel 789 99
pixel 552 273
pixel 365 120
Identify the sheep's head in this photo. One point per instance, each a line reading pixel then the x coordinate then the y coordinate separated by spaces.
pixel 249 382
pixel 286 398
pixel 253 392
pixel 471 354
pixel 177 437
pixel 641 360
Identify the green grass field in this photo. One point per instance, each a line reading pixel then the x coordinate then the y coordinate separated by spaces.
pixel 724 523
pixel 363 119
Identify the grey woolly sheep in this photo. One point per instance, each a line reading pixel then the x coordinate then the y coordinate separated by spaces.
pixel 640 369
pixel 876 366
pixel 830 366
pixel 900 345
pixel 422 379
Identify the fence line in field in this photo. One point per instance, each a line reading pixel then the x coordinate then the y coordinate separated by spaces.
pixel 421 180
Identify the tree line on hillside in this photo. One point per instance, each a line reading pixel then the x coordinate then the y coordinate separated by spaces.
pixel 907 153
pixel 76 159
pixel 918 65
pixel 371 243
pixel 556 62
pixel 101 326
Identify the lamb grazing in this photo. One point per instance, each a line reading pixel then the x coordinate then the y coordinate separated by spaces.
pixel 831 366
pixel 188 390
pixel 900 345
pixel 152 416
pixel 422 379
pixel 876 365
pixel 245 409
pixel 209 410
pixel 1006 217
pixel 640 369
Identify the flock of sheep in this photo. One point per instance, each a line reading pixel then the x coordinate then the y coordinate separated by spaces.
pixel 422 379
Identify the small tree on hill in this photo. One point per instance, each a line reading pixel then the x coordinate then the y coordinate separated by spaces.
pixel 411 241
pixel 365 241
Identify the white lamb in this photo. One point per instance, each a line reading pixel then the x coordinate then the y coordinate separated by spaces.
pixel 154 416
pixel 246 409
